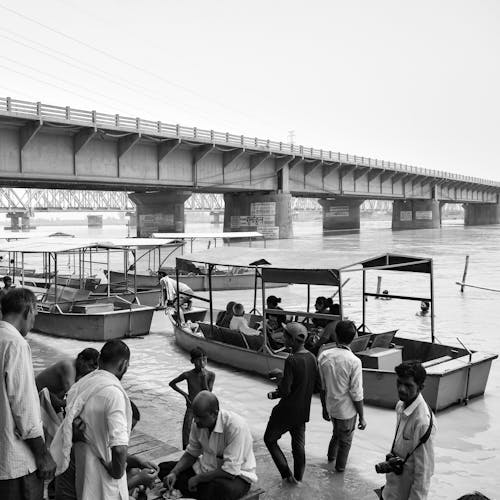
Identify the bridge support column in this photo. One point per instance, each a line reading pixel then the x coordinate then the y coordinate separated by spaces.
pixel 270 214
pixel 94 220
pixel 19 221
pixel 341 214
pixel 476 214
pixel 160 212
pixel 416 214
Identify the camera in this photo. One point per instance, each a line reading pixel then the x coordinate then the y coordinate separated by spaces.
pixel 392 463
pixel 272 395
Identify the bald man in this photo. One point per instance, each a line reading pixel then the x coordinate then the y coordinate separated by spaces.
pixel 218 463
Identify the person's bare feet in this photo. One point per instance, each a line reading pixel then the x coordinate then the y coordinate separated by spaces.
pixel 290 480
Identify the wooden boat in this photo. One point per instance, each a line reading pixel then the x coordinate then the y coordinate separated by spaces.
pixel 454 374
pixel 67 311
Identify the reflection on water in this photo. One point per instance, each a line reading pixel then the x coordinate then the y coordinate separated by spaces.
pixel 468 438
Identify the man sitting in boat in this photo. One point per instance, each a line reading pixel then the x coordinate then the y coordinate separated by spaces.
pixel 224 317
pixel 239 322
pixel 170 293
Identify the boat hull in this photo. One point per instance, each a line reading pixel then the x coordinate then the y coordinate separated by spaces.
pixel 236 357
pixel 447 384
pixel 99 326
pixel 197 282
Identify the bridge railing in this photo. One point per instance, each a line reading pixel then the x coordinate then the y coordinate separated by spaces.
pixel 158 128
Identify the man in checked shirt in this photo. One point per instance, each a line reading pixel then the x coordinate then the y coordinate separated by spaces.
pixel 24 459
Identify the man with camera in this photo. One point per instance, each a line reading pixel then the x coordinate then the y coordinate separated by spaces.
pixel 410 464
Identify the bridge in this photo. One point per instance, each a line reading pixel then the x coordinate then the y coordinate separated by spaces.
pixel 161 165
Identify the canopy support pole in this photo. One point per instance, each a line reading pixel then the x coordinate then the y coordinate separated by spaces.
pixel 432 303
pixel 341 306
pixel 364 300
pixel 210 268
pixel 109 275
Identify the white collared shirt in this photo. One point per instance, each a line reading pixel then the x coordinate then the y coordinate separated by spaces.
pixel 228 447
pixel 240 324
pixel 412 424
pixel 341 377
pixel 20 417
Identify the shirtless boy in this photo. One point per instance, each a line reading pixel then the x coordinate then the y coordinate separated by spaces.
pixel 198 379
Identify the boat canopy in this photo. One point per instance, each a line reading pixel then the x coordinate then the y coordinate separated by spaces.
pixel 60 245
pixel 227 235
pixel 302 267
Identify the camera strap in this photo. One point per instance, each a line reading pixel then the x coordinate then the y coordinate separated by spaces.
pixel 423 439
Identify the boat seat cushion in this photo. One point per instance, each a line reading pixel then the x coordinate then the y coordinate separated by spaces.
pixel 255 342
pixel 207 330
pixel 232 337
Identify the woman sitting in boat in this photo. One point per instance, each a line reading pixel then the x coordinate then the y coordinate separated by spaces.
pixel 239 322
pixel 274 322
pixel 324 305
pixel 224 317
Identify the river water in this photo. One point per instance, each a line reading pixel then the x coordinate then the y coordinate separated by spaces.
pixel 468 440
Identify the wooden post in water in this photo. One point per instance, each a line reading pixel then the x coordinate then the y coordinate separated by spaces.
pixel 465 273
pixel 379 284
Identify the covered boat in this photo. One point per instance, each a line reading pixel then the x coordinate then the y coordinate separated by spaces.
pixel 72 311
pixel 454 374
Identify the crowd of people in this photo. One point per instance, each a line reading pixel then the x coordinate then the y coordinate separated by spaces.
pixel 87 452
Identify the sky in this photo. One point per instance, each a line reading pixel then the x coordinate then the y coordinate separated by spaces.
pixel 411 82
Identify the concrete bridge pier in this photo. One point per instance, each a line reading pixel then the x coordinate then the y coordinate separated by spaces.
pixel 160 212
pixel 94 220
pixel 271 213
pixel 416 214
pixel 476 214
pixel 19 221
pixel 341 213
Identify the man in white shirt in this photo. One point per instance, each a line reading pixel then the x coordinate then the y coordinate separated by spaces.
pixel 342 395
pixel 239 322
pixel 219 462
pixel 414 438
pixel 100 401
pixel 24 459
pixel 169 291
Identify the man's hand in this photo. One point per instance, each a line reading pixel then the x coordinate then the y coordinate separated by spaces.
pixel 169 481
pixel 193 483
pixel 145 464
pixel 325 415
pixel 78 430
pixel 147 477
pixel 362 423
pixel 45 465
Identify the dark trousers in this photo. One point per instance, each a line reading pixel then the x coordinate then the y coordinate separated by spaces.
pixel 218 489
pixel 275 429
pixel 186 427
pixel 28 487
pixel 65 482
pixel 340 444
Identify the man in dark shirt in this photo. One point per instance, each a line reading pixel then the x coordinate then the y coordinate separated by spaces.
pixel 300 380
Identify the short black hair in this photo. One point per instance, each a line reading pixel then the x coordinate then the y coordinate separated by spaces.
pixel 89 355
pixel 474 496
pixel 136 414
pixel 412 369
pixel 6 278
pixel 346 331
pixel 196 353
pixel 18 301
pixel 114 351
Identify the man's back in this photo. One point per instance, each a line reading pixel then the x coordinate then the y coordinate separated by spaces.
pixel 57 378
pixel 341 375
pixel 19 405
pixel 300 379
pixel 106 425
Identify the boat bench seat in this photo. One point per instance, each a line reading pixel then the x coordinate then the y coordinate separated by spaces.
pixel 66 297
pixel 436 361
pixel 231 337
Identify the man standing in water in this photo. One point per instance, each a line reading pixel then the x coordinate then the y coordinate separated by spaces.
pixel 342 393
pixel 413 441
pixel 24 459
pixel 300 380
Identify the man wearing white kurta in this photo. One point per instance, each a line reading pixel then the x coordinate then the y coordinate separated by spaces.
pixel 102 404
